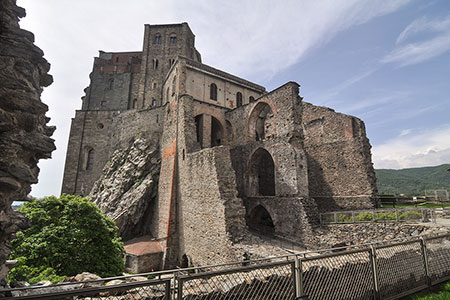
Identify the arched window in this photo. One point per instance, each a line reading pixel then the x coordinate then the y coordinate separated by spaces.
pixel 173 39
pixel 157 39
pixel 251 99
pixel 111 83
pixel 238 99
pixel 261 174
pixel 155 64
pixel 90 159
pixel 134 103
pixel 174 84
pixel 213 91
pixel 154 102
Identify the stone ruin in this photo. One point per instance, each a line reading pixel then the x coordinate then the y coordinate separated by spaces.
pixel 24 135
pixel 188 158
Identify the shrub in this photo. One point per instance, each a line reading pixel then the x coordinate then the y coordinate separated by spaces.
pixel 364 217
pixel 68 235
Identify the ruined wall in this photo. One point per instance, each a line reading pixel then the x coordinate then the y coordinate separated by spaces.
pixel 211 215
pixel 24 135
pixel 288 203
pixel 340 170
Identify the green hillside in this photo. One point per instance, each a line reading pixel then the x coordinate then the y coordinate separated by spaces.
pixel 413 181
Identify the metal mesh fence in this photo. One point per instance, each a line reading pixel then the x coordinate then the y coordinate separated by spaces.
pixel 413 215
pixel 273 281
pixel 400 268
pixel 149 290
pixel 346 276
pixel 438 252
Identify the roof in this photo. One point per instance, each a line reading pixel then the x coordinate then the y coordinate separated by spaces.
pixel 142 246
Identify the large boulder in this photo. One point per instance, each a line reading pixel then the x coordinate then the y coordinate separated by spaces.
pixel 24 135
pixel 127 190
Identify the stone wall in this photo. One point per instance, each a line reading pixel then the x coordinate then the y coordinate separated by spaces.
pixel 340 170
pixel 103 132
pixel 24 135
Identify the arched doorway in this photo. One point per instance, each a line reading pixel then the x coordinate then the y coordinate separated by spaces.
pixel 261 174
pixel 209 131
pixel 261 221
pixel 261 122
pixel 216 132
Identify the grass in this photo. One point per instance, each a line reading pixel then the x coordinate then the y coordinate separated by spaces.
pixel 428 205
pixel 441 292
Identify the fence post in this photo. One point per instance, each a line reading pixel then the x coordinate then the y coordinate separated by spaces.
pixel 335 217
pixel 298 277
pixel 396 215
pixel 179 286
pixel 423 247
pixel 376 285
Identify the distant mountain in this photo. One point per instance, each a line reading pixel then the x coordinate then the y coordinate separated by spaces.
pixel 413 181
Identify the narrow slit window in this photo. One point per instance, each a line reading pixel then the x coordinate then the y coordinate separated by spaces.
pixel 157 39
pixel 90 159
pixel 238 99
pixel 213 91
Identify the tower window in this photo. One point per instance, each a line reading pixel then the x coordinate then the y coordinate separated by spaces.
pixel 134 103
pixel 155 64
pixel 157 39
pixel 154 102
pixel 154 85
pixel 213 91
pixel 90 159
pixel 117 59
pixel 173 39
pixel 171 62
pixel 111 83
pixel 251 99
pixel 238 99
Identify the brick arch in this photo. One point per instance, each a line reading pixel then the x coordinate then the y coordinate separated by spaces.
pixel 261 173
pixel 262 121
pixel 261 219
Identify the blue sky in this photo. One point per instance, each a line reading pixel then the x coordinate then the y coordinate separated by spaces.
pixel 386 62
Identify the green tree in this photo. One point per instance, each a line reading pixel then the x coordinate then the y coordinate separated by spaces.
pixel 68 235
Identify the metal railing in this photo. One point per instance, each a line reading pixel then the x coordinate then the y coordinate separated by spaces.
pixel 372 271
pixel 409 215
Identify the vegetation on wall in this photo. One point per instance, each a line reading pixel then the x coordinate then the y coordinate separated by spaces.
pixel 413 181
pixel 68 235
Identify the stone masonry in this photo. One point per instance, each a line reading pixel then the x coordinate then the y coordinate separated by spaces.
pixel 24 135
pixel 230 156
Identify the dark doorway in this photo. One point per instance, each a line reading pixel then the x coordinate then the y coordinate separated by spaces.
pixel 261 221
pixel 216 132
pixel 261 174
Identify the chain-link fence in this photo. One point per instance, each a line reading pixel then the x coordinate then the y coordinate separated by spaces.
pixel 378 271
pixel 155 289
pixel 411 215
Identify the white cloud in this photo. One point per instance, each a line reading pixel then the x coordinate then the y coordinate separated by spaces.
pixel 414 149
pixel 417 52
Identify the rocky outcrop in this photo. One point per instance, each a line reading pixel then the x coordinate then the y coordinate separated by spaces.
pixel 127 190
pixel 24 135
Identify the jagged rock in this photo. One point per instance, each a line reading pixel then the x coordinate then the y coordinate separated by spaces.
pixel 24 135
pixel 127 189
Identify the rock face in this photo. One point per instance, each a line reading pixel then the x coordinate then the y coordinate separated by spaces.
pixel 24 135
pixel 128 187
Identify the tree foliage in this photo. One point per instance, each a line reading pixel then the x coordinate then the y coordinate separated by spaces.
pixel 68 235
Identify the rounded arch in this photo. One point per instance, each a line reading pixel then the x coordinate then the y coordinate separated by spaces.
pixel 210 132
pixel 89 158
pixel 261 220
pixel 261 122
pixel 217 132
pixel 261 174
